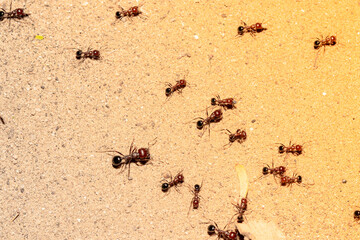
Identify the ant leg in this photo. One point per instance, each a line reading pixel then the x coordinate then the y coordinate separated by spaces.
pixel 129 178
pixel 191 203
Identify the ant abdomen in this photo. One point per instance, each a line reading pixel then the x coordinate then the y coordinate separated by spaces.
pixel 200 124
pixel 211 229
pixel 165 187
pixel 116 161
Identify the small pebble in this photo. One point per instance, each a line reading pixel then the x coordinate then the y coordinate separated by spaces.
pixel 344 181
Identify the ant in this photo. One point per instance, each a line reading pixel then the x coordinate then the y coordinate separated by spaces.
pixel 179 86
pixel 174 182
pixel 214 117
pixel 239 135
pixel 294 149
pixel 196 199
pixel 328 41
pixel 131 12
pixel 227 103
pixel 138 156
pixel 214 229
pixel 288 181
pixel 92 54
pixel 18 13
pixel 357 215
pixel 241 208
pixel 275 171
pixel 252 29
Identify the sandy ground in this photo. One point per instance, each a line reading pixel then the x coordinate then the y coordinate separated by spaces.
pixel 59 112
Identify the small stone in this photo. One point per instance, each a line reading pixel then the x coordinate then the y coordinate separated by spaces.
pixel 344 181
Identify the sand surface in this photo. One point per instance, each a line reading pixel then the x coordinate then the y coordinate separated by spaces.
pixel 59 112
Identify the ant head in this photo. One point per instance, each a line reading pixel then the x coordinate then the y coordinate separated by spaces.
pixel 116 161
pixel 180 178
pixel 282 169
pixel 299 179
pixel 168 91
pixel 241 30
pixel 232 235
pixel 135 9
pixel 281 149
pixel 218 113
pixel 357 214
pixel 213 101
pixel 196 204
pixel 283 181
pixel 96 53
pixel 19 12
pixel 182 82
pixel 240 219
pixel 244 200
pixel 211 229
pixel 265 170
pixel 200 124
pixel 298 148
pixel 243 134
pixel 144 153
pixel 333 40
pixel 317 44
pixel 197 187
pixel 165 187
pixel 258 26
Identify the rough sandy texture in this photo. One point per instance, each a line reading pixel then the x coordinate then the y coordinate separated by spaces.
pixel 60 112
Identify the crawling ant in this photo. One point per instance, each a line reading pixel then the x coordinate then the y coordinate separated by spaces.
pixel 18 13
pixel 174 182
pixel 214 229
pixel 92 54
pixel 214 117
pixel 139 156
pixel 179 86
pixel 227 103
pixel 288 181
pixel 275 171
pixel 328 41
pixel 295 149
pixel 252 29
pixel 241 208
pixel 196 199
pixel 239 135
pixel 131 12
pixel 357 215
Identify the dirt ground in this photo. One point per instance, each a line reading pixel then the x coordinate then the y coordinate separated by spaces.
pixel 59 112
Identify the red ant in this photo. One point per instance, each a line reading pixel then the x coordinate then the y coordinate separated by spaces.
pixel 227 103
pixel 328 41
pixel 174 182
pixel 294 149
pixel 288 181
pixel 18 13
pixel 275 171
pixel 131 12
pixel 92 54
pixel 139 156
pixel 241 208
pixel 196 199
pixel 179 86
pixel 214 117
pixel 227 235
pixel 239 135
pixel 252 29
